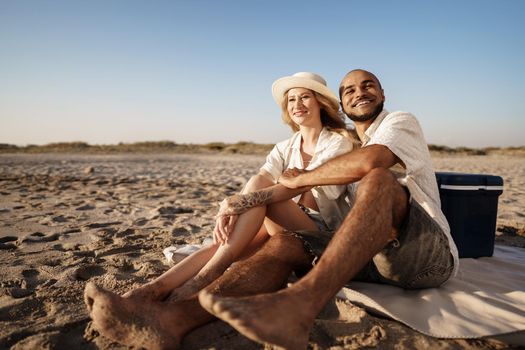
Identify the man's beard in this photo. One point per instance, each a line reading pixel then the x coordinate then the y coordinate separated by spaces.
pixel 368 116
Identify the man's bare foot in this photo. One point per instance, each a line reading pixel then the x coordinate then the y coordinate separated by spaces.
pixel 277 318
pixel 134 322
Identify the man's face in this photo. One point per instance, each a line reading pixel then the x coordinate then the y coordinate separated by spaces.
pixel 362 97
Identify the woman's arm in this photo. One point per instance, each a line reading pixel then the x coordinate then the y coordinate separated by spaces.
pixel 239 203
pixel 260 190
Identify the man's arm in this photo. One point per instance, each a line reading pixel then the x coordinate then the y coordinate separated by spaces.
pixel 345 169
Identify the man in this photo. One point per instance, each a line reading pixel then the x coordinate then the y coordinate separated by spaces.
pixel 395 233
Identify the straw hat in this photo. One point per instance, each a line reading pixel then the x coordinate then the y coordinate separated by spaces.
pixel 305 80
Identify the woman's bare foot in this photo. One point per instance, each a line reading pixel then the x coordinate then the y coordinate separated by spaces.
pixel 204 278
pixel 148 291
pixel 190 288
pixel 277 318
pixel 134 322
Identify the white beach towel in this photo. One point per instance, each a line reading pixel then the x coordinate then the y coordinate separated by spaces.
pixel 486 298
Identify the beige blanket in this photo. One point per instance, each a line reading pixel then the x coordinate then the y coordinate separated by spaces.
pixel 486 298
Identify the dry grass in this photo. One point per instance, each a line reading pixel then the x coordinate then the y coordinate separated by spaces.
pixel 140 147
pixel 216 147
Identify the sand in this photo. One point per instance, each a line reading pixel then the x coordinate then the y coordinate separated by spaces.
pixel 69 219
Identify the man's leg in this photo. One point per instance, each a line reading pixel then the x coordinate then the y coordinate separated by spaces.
pixel 285 318
pixel 162 325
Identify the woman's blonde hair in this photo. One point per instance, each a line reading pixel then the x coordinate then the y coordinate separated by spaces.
pixel 330 116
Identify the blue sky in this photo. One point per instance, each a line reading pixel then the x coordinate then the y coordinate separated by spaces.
pixel 200 71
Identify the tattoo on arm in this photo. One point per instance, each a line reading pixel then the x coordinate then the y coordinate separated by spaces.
pixel 246 201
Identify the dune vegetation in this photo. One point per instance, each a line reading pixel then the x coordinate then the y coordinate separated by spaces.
pixel 242 147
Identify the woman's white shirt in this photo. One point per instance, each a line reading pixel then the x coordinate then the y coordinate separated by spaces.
pixel 331 200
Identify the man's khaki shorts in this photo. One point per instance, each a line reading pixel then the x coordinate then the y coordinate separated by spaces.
pixel 419 258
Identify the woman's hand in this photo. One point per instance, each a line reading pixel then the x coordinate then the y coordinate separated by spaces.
pixel 232 206
pixel 291 177
pixel 224 225
pixel 229 210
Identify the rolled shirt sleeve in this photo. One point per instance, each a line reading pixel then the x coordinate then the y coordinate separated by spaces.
pixel 274 164
pixel 402 134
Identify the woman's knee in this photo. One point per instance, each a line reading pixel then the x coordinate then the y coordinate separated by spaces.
pixel 257 182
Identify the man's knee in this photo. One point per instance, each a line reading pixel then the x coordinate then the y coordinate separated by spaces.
pixel 381 185
pixel 285 245
pixel 282 240
pixel 378 179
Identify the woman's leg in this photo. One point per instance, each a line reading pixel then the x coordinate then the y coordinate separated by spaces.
pixel 159 288
pixel 162 286
pixel 290 216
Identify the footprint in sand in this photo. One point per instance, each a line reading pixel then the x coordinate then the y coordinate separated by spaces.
pixel 5 242
pixel 194 228
pixel 85 207
pixel 103 224
pixel 85 272
pixel 59 218
pixel 37 237
pixel 140 222
pixel 125 233
pixel 20 309
pixel 168 210
pixel 31 278
pixel 180 231
pixel 61 205
pixel 40 341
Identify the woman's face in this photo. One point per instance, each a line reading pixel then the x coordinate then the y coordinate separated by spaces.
pixel 303 107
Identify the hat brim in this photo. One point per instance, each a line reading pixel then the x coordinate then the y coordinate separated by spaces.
pixel 282 85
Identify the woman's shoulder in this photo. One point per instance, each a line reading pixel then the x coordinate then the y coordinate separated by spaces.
pixel 288 142
pixel 336 136
pixel 335 139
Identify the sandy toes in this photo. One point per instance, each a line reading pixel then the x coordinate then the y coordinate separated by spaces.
pixel 263 318
pixel 131 322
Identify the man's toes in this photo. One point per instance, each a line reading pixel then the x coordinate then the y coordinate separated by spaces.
pixel 211 302
pixel 90 292
pixel 206 300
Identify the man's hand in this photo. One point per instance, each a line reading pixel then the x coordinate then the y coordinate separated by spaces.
pixel 291 178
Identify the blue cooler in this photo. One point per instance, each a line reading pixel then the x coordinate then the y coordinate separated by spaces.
pixel 470 204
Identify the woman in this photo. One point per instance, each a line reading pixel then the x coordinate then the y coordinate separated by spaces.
pixel 265 207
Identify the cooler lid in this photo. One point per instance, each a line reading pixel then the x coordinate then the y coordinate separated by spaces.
pixel 469 182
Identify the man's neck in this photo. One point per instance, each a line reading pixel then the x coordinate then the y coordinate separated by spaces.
pixel 361 127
